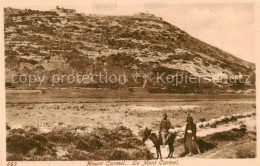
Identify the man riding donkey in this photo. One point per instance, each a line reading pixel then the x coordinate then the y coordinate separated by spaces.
pixel 164 137
pixel 165 125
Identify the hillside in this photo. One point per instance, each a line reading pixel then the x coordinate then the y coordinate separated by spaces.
pixel 47 43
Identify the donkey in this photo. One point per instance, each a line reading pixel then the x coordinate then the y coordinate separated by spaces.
pixel 157 141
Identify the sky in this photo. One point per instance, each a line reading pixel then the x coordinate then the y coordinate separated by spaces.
pixel 228 26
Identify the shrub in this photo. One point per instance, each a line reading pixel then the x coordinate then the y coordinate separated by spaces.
pixel 83 145
pixel 118 155
pixel 130 143
pixel 9 85
pixel 202 119
pixel 8 127
pixel 243 126
pixel 246 152
pixel 234 134
pixel 22 145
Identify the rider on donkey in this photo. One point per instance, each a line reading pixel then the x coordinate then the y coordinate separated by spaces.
pixel 164 128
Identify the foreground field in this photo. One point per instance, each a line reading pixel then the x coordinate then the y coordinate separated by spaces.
pixel 99 119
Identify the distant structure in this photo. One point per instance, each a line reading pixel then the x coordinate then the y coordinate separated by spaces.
pixel 65 12
pixel 146 15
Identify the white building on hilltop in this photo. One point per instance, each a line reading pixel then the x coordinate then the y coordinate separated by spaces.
pixel 146 15
pixel 65 12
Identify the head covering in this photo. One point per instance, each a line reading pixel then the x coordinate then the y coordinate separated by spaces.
pixel 165 115
pixel 189 117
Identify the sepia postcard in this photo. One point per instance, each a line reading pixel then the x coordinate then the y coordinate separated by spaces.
pixel 129 82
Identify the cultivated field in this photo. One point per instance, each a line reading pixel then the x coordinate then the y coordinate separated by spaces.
pixel 76 124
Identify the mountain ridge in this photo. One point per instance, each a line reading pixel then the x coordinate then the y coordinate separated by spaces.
pixel 50 42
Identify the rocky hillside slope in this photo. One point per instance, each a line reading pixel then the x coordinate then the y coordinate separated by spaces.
pixel 46 43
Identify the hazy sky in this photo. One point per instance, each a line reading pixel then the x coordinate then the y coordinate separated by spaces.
pixel 228 26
